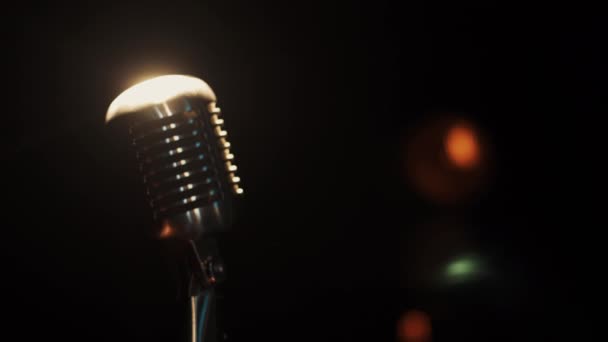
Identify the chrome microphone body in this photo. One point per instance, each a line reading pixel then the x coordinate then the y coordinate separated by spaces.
pixel 178 135
pixel 183 153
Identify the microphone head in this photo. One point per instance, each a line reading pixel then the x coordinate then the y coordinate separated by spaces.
pixel 183 153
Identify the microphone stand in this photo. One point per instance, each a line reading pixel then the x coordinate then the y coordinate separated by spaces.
pixel 204 273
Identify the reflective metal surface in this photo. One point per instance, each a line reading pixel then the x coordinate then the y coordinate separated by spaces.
pixel 184 156
pixel 188 168
pixel 183 152
pixel 158 90
pixel 201 323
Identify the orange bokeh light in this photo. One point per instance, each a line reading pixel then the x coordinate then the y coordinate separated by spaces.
pixel 448 159
pixel 414 326
pixel 166 232
pixel 462 146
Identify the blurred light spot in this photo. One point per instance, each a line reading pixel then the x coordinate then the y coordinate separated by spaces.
pixel 414 326
pixel 464 268
pixel 460 268
pixel 166 232
pixel 430 245
pixel 447 159
pixel 462 146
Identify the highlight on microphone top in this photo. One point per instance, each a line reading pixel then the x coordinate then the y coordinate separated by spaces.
pixel 158 90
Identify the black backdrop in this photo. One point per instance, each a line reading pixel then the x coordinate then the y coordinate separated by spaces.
pixel 319 99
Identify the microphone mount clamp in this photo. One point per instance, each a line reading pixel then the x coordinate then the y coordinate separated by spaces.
pixel 207 270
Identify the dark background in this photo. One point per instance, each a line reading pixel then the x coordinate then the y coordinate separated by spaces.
pixel 332 240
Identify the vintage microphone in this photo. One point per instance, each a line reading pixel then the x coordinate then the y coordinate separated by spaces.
pixel 177 133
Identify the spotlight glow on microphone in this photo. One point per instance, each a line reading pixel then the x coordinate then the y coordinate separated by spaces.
pixel 184 156
pixel 183 153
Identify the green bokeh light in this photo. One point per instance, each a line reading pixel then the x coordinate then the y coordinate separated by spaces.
pixel 462 268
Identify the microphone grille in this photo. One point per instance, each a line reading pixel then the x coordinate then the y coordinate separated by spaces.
pixel 185 159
